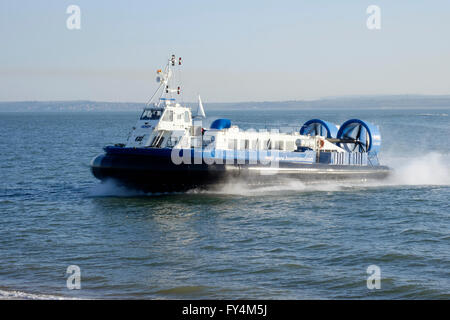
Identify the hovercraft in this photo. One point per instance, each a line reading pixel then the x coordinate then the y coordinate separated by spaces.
pixel 169 150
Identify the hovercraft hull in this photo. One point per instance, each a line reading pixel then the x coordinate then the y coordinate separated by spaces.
pixel 151 170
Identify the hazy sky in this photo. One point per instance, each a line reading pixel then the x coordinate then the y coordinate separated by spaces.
pixel 232 50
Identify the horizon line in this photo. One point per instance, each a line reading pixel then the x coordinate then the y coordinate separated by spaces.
pixel 359 96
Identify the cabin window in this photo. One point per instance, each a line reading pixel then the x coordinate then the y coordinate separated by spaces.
pixel 139 138
pixel 187 118
pixel 168 116
pixel 156 114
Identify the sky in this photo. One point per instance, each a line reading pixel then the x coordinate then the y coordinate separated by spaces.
pixel 231 50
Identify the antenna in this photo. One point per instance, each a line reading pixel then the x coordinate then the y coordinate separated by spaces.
pixel 164 77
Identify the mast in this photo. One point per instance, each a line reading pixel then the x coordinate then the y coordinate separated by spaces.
pixel 166 89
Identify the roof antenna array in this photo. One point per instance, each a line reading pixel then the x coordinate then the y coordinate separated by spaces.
pixel 163 78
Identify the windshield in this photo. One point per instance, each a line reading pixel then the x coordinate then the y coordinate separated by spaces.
pixel 151 115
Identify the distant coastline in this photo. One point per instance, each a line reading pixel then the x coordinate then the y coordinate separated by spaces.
pixel 353 102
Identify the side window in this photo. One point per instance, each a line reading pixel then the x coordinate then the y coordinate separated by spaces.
pixel 168 116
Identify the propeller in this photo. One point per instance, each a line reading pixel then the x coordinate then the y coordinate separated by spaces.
pixel 356 138
pixel 355 135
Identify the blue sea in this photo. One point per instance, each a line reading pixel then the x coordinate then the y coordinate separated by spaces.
pixel 289 241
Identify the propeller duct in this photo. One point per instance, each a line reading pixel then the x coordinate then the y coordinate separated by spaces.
pixel 317 127
pixel 361 136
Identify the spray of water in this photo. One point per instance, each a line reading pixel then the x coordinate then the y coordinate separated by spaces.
pixel 430 169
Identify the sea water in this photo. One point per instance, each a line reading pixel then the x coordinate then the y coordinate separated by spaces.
pixel 281 241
